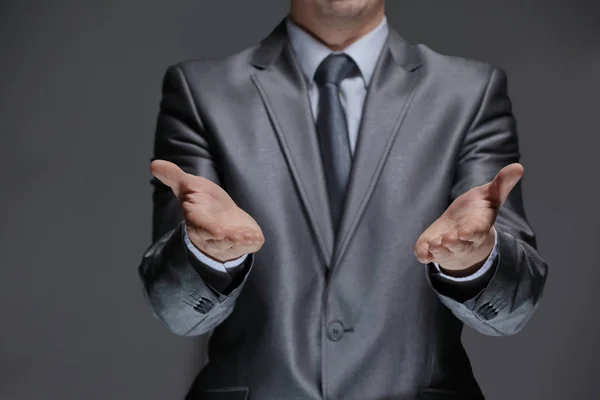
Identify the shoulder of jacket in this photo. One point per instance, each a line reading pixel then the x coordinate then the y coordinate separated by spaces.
pixel 455 67
pixel 206 67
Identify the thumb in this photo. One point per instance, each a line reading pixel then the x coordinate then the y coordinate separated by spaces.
pixel 168 173
pixel 504 182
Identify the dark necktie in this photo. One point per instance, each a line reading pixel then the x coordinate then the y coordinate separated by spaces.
pixel 333 130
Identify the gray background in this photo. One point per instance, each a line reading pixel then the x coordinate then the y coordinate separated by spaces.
pixel 79 92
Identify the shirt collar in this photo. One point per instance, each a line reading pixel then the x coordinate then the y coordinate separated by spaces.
pixel 311 52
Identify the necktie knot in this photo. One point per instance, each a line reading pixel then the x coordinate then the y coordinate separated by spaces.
pixel 334 69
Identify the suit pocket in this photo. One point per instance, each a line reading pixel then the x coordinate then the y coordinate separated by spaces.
pixel 443 394
pixel 236 393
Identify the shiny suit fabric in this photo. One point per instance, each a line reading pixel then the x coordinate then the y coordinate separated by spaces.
pixel 355 318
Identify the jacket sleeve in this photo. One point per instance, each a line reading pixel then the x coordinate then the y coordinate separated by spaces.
pixel 504 299
pixel 189 297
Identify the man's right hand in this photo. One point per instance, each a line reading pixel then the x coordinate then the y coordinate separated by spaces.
pixel 215 224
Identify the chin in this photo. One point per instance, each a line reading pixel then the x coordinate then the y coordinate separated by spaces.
pixel 343 9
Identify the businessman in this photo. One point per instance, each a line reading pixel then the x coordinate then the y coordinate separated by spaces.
pixel 334 204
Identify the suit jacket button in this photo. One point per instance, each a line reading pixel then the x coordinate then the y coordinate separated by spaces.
pixel 335 331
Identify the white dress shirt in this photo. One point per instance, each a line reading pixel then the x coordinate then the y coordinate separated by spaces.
pixel 309 54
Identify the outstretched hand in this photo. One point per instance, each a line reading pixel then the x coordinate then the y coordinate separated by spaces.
pixel 214 223
pixel 462 238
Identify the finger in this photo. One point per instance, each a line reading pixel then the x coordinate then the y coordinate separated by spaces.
pixel 202 234
pixel 422 253
pixel 248 243
pixel 437 248
pixel 504 182
pixel 451 241
pixel 436 229
pixel 242 237
pixel 466 232
pixel 472 231
pixel 245 240
pixel 214 229
pixel 168 173
pixel 250 236
pixel 250 247
pixel 205 223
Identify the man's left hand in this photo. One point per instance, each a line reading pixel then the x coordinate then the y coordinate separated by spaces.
pixel 462 238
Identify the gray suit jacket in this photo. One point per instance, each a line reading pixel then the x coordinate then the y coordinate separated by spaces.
pixel 358 318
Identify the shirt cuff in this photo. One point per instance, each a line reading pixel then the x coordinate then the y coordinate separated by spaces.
pixel 481 271
pixel 222 267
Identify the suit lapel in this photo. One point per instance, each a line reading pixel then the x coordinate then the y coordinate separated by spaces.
pixel 388 98
pixel 282 87
pixel 283 90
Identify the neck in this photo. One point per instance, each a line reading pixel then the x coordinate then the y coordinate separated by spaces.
pixel 337 34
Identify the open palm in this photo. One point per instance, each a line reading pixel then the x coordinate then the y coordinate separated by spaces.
pixel 215 224
pixel 463 236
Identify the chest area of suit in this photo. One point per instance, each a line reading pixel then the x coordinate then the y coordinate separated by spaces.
pixel 265 138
